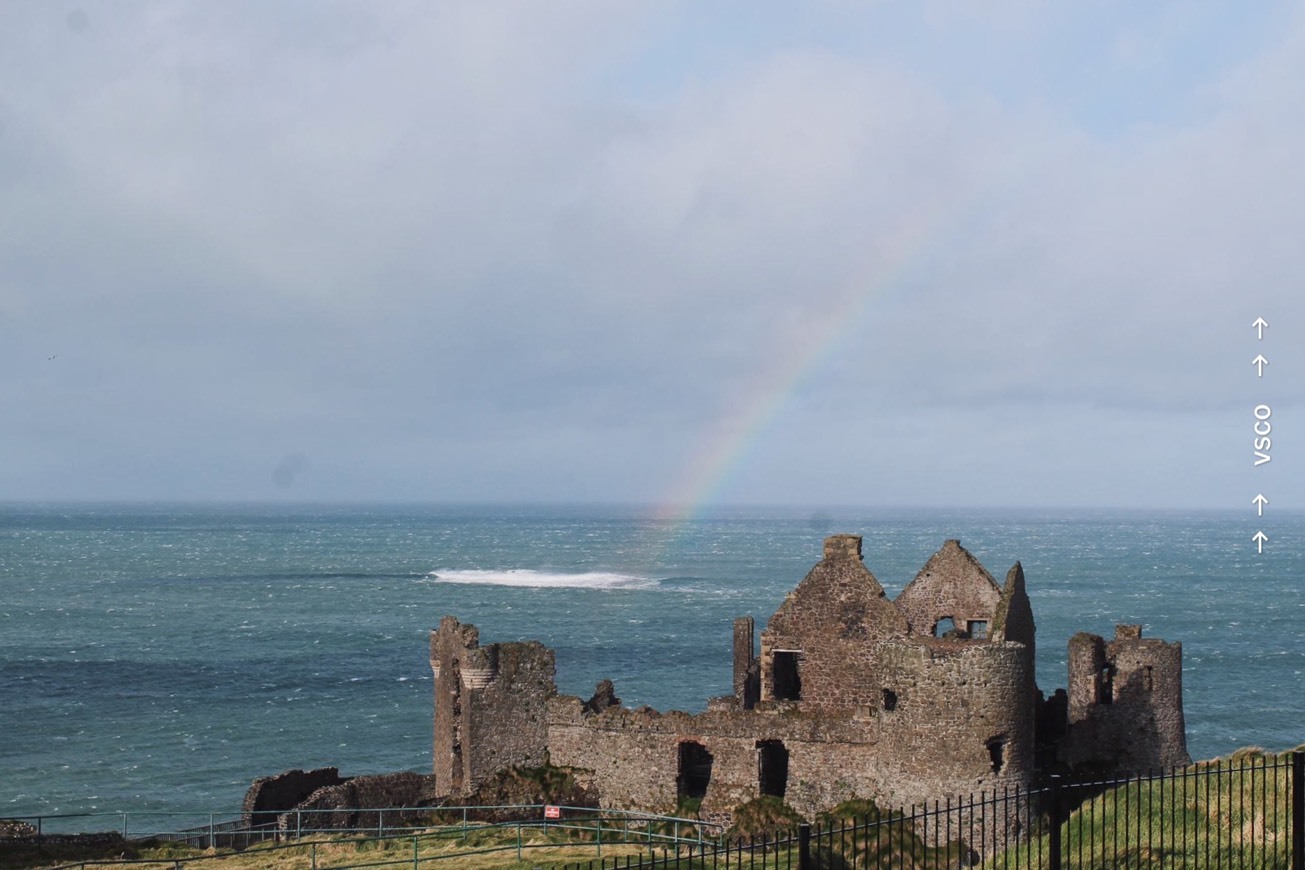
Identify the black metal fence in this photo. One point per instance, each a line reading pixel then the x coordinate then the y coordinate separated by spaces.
pixel 1246 812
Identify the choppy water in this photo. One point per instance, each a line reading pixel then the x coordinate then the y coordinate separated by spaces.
pixel 162 657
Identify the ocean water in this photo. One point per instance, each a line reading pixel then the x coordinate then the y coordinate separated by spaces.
pixel 161 657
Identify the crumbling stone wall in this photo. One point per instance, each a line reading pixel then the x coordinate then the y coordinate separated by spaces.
pixel 952 584
pixel 852 697
pixel 269 795
pixel 490 705
pixel 1125 704
pixel 829 625
pixel 346 805
pixel 957 704
pixel 1013 620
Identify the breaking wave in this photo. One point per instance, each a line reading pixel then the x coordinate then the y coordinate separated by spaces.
pixel 545 579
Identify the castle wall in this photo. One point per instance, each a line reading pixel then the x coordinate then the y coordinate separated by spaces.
pixel 962 719
pixel 490 705
pixel 829 625
pixel 1013 620
pixel 951 584
pixel 1125 704
pixel 958 706
pixel 508 721
pixel 845 701
pixel 274 794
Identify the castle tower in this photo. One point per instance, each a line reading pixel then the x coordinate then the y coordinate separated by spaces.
pixel 1125 703
pixel 490 706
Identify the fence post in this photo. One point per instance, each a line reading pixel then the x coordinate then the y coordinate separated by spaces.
pixel 1298 810
pixel 804 847
pixel 1053 845
pixel 414 853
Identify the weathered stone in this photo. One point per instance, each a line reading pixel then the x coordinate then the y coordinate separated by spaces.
pixel 604 697
pixel 270 795
pixel 853 696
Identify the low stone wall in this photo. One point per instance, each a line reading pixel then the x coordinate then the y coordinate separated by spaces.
pixel 345 805
pixel 274 794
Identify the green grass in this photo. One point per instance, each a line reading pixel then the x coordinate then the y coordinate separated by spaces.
pixel 1233 812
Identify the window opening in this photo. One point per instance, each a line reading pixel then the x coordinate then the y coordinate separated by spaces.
pixel 772 767
pixel 694 771
pixel 944 626
pixel 978 628
pixel 996 750
pixel 787 683
pixel 1106 686
pixel 890 700
pixel 1146 679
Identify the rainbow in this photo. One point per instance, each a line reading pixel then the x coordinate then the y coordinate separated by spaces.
pixel 726 444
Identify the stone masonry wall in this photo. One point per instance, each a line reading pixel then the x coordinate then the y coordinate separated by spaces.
pixel 833 620
pixel 1125 704
pixel 507 718
pixel 490 705
pixel 957 704
pixel 963 717
pixel 284 791
pixel 953 584
pixel 1013 620
pixel 346 804
pixel 852 695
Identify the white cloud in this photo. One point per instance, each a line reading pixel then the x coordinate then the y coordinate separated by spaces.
pixel 391 236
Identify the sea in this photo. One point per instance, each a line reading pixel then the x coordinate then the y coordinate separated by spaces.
pixel 160 657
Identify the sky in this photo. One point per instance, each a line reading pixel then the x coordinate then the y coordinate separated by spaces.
pixel 888 253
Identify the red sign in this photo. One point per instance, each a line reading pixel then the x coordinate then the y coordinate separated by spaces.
pixel 551 812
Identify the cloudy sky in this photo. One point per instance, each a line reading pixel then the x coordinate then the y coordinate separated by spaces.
pixel 883 253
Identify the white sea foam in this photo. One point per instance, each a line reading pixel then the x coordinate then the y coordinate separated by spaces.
pixel 545 579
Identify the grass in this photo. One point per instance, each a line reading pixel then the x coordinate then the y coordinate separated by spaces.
pixel 1233 812
pixel 497 847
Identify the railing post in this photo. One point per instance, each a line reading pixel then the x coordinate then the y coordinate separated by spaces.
pixel 804 847
pixel 414 853
pixel 212 841
pixel 1053 845
pixel 1298 810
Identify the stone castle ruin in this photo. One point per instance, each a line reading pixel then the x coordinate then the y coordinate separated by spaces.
pixel 924 697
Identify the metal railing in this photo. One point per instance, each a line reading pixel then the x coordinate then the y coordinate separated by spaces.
pixel 404 845
pixel 1248 812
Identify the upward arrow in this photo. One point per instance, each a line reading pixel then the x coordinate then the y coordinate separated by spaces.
pixel 1259 501
pixel 1259 325
pixel 1259 538
pixel 1259 362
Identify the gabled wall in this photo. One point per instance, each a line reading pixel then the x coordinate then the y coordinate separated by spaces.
pixel 884 712
pixel 831 621
pixel 951 584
